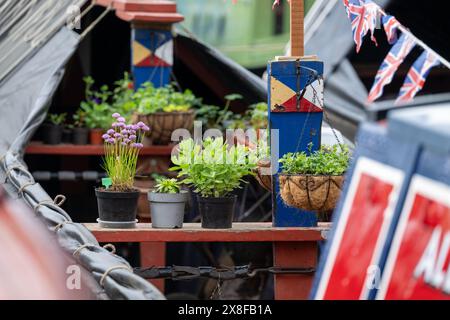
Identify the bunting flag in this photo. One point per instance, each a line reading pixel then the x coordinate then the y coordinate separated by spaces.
pixel 363 15
pixel 372 18
pixel 415 80
pixel 356 11
pixel 393 60
pixel 391 26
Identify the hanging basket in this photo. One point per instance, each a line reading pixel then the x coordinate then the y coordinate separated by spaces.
pixel 162 124
pixel 310 192
pixel 264 180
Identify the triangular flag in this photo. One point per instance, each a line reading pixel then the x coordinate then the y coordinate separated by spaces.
pixel 416 77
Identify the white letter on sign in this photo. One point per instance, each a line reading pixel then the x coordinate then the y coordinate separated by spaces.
pixel 439 275
pixel 427 262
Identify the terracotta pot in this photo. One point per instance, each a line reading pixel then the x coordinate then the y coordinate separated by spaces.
pixel 95 136
pixel 162 124
pixel 309 192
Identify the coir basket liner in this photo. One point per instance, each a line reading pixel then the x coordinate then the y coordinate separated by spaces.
pixel 310 192
pixel 162 124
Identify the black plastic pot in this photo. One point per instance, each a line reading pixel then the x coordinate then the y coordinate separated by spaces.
pixel 80 136
pixel 117 206
pixel 51 134
pixel 217 213
pixel 67 135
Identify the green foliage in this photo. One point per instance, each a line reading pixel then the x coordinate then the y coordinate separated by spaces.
pixel 166 185
pixel 329 160
pixel 258 115
pixel 214 169
pixel 57 119
pixel 96 107
pixel 149 99
pixel 79 118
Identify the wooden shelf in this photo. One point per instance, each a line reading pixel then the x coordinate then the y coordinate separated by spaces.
pixel 192 232
pixel 88 150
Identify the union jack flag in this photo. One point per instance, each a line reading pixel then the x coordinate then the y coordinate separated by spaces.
pixel 372 17
pixel 393 60
pixel 363 15
pixel 390 25
pixel 356 12
pixel 415 80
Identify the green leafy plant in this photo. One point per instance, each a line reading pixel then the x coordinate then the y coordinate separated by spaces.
pixel 96 107
pixel 149 99
pixel 329 160
pixel 166 185
pixel 56 119
pixel 79 118
pixel 214 169
pixel 258 115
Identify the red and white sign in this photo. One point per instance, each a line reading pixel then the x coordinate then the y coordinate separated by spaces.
pixel 418 262
pixel 361 231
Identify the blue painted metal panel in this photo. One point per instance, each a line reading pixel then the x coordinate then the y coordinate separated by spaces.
pixel 290 126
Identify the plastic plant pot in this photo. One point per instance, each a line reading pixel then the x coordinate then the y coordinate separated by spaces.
pixel 80 136
pixel 217 213
pixel 167 209
pixel 52 134
pixel 67 135
pixel 117 209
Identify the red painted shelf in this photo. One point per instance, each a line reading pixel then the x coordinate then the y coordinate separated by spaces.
pixel 192 232
pixel 89 150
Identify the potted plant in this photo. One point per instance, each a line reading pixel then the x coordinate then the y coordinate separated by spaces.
pixel 117 200
pixel 80 135
pixel 214 170
pixel 313 181
pixel 53 128
pixel 97 110
pixel 167 204
pixel 164 110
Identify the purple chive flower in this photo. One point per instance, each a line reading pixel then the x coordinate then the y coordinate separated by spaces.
pixel 135 127
pixel 116 115
pixel 110 132
pixel 132 137
pixel 106 136
pixel 124 132
pixel 120 124
pixel 129 126
pixel 115 124
pixel 126 141
pixel 146 128
pixel 117 135
pixel 121 119
pixel 137 145
pixel 140 125
pixel 111 140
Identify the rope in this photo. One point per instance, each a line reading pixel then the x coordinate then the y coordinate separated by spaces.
pixel 60 225
pixel 110 246
pixel 102 279
pixel 26 185
pixel 83 246
pixel 96 21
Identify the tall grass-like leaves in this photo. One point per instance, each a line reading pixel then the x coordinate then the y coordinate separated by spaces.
pixel 214 169
pixel 122 145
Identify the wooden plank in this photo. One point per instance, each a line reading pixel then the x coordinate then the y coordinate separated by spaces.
pixel 192 232
pixel 294 255
pixel 153 254
pixel 297 27
pixel 89 150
